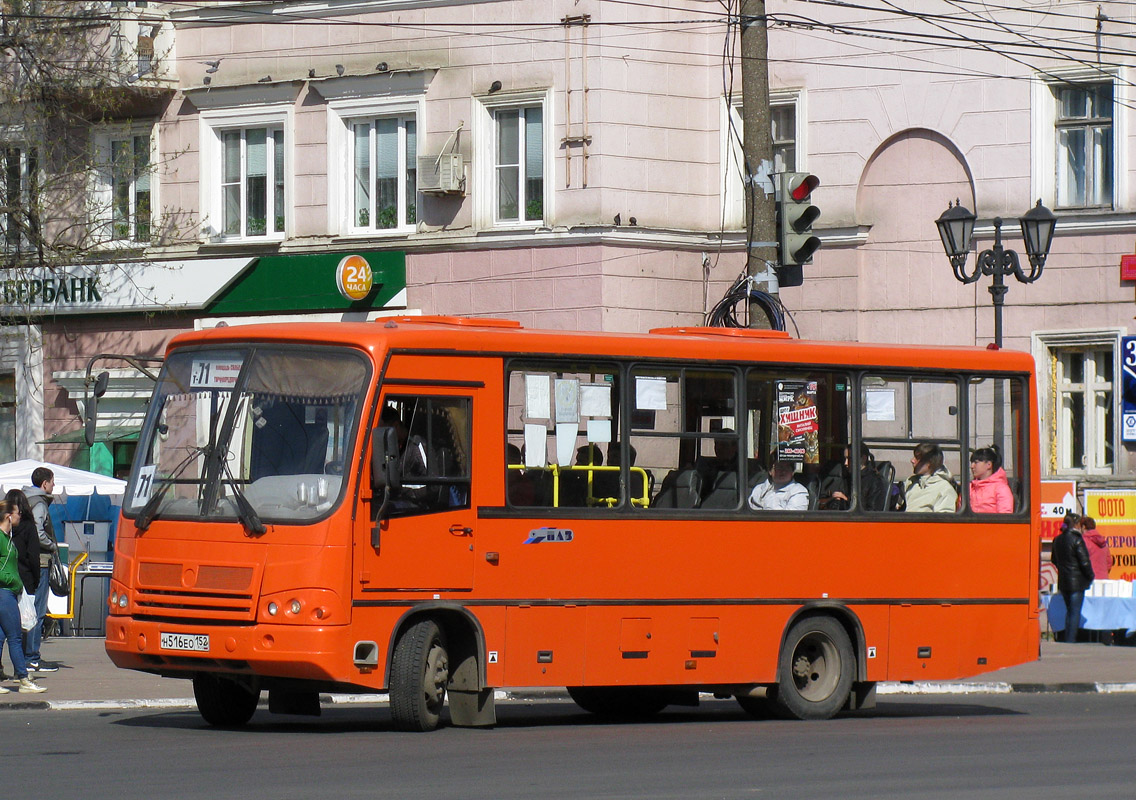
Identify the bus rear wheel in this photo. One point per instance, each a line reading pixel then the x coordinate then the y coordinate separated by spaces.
pixel 816 670
pixel 420 673
pixel 224 703
pixel 627 702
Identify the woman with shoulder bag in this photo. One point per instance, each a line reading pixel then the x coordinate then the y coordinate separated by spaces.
pixel 11 588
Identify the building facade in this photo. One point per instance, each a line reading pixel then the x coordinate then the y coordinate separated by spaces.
pixel 575 164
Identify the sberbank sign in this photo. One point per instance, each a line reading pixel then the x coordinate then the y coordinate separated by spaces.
pixel 47 290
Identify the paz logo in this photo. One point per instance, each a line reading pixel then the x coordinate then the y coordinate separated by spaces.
pixel 540 535
pixel 354 278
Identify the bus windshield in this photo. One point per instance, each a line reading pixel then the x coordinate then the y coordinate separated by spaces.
pixel 240 428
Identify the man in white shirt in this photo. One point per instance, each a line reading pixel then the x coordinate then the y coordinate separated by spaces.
pixel 779 492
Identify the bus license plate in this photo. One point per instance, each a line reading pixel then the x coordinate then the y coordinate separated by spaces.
pixel 197 642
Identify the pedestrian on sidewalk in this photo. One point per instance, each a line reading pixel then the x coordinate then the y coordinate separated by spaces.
pixel 26 539
pixel 1074 572
pixel 11 587
pixel 40 496
pixel 1097 546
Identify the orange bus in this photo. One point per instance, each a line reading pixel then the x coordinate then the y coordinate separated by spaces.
pixel 436 507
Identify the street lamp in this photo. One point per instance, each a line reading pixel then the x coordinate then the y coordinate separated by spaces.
pixel 956 225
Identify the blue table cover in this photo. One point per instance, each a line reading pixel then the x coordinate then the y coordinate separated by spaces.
pixel 1097 613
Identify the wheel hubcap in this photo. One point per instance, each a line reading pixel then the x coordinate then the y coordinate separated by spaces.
pixel 816 667
pixel 436 678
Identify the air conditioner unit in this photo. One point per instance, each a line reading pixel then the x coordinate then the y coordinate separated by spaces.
pixel 442 174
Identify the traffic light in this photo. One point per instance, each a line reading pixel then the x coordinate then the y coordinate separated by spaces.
pixel 795 216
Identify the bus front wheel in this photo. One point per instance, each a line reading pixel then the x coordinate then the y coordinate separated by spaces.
pixel 815 675
pixel 420 672
pixel 224 703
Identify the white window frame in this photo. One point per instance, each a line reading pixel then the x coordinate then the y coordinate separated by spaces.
pixel 25 187
pixel 1043 123
pixel 730 151
pixel 214 123
pixel 485 159
pixel 343 115
pixel 1054 449
pixel 103 184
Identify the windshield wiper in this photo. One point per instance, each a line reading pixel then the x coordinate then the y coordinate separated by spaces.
pixel 149 511
pixel 245 512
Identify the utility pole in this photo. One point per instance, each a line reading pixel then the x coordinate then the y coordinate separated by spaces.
pixel 757 147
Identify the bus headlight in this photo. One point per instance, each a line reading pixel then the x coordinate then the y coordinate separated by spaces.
pixel 272 609
pixel 296 607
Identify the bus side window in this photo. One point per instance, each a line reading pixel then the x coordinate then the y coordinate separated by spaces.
pixel 801 417
pixel 995 481
pixel 911 425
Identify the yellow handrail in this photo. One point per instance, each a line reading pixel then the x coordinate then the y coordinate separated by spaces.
pixel 78 560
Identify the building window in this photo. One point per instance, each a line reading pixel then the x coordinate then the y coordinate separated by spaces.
pixel 19 221
pixel 1080 420
pixel 7 417
pixel 1084 145
pixel 252 182
pixel 384 165
pixel 784 120
pixel 518 164
pixel 130 188
pixel 783 110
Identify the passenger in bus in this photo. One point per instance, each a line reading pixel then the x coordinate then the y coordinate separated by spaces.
pixel 989 489
pixel 836 494
pixel 713 472
pixel 574 483
pixel 518 484
pixel 779 492
pixel 930 487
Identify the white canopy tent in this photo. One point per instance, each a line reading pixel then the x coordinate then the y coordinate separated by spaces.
pixel 69 482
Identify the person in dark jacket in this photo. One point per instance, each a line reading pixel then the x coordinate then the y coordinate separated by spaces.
pixel 1074 572
pixel 26 540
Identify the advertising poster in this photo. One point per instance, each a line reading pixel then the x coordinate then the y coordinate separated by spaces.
pixel 1057 498
pixel 1115 515
pixel 798 423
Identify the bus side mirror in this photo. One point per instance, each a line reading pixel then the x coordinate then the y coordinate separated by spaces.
pixel 384 460
pixel 91 406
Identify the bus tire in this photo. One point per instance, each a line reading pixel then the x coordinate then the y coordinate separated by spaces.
pixel 756 707
pixel 223 702
pixel 619 702
pixel 420 673
pixel 815 675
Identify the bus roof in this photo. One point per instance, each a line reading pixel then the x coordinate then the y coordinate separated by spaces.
pixel 498 336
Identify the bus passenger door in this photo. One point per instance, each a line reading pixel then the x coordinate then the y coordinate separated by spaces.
pixel 426 541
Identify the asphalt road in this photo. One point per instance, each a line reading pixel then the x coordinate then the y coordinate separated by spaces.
pixel 1007 746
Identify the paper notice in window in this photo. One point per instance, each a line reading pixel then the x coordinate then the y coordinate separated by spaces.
pixel 880 405
pixel 536 445
pixel 595 400
pixel 650 394
pixel 566 433
pixel 567 400
pixel 599 430
pixel 537 396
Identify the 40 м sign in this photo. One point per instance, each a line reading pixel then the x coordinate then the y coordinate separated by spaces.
pixel 1115 515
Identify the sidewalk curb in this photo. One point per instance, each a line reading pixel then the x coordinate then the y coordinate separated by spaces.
pixel 925 688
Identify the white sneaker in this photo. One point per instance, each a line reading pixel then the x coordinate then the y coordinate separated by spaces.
pixel 4 690
pixel 28 686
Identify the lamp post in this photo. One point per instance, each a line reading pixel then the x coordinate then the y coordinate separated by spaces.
pixel 956 225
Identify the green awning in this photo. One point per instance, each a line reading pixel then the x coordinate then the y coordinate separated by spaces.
pixel 109 433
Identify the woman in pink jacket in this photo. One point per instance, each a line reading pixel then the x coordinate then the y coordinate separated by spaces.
pixel 1097 546
pixel 989 490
